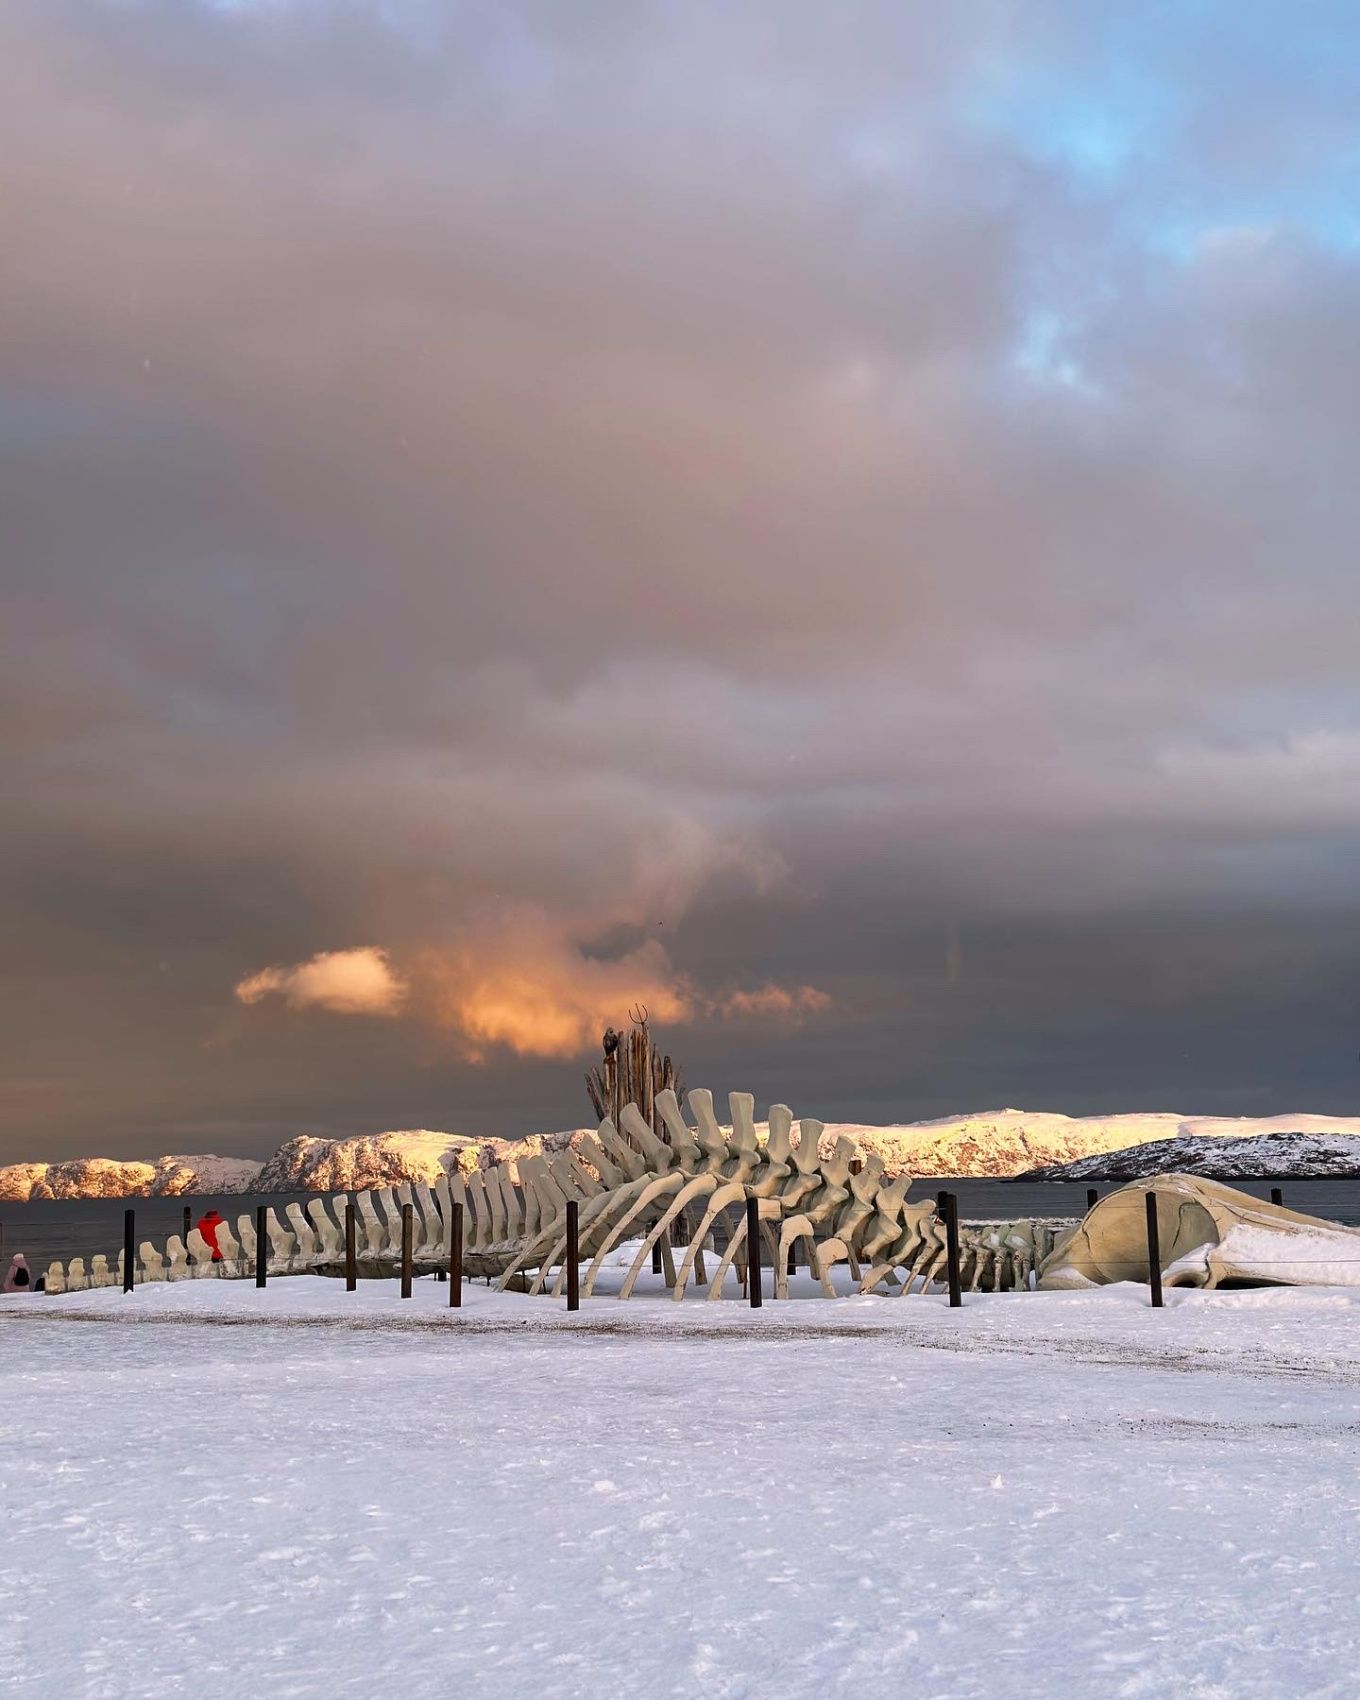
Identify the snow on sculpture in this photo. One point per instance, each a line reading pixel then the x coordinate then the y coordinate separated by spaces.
pixel 692 1185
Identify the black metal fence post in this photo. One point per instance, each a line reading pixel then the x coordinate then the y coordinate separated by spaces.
pixel 1276 1195
pixel 407 1231
pixel 456 1256
pixel 261 1246
pixel 351 1245
pixel 753 1252
pixel 1154 1251
pixel 573 1255
pixel 1092 1198
pixel 951 1249
pixel 188 1223
pixel 656 1256
pixel 129 1244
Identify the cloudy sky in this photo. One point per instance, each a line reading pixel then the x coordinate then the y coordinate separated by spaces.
pixel 837 522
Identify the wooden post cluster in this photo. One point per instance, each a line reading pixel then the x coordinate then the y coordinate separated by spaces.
pixel 573 1255
pixel 261 1246
pixel 1154 1251
pixel 129 1248
pixel 631 1071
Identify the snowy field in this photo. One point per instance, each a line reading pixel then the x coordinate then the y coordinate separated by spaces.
pixel 303 1492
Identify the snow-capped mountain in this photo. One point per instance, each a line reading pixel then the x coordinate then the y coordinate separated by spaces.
pixel 107 1177
pixel 1262 1156
pixel 1001 1143
pixel 996 1143
pixel 311 1164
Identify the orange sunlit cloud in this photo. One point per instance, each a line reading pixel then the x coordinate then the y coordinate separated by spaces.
pixel 519 984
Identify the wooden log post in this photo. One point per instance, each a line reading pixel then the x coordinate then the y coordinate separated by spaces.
pixel 261 1246
pixel 1154 1248
pixel 129 1248
pixel 951 1250
pixel 407 1235
pixel 456 1256
pixel 573 1255
pixel 753 1252
pixel 351 1245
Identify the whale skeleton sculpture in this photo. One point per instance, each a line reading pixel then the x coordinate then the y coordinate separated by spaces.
pixel 630 1185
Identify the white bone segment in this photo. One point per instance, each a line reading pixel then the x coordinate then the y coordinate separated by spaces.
pixel 231 1251
pixel 371 1238
pixel 428 1236
pixel 330 1238
pixel 280 1245
pixel 200 1254
pixel 389 1218
pixel 308 1245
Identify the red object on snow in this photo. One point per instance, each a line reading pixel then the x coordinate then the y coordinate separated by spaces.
pixel 208 1224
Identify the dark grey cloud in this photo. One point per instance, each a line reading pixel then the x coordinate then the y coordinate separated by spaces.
pixel 602 499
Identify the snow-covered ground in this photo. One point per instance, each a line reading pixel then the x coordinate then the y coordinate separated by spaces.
pixel 309 1493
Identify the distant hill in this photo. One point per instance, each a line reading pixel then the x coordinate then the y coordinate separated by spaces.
pixel 108 1177
pixel 995 1143
pixel 1263 1156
